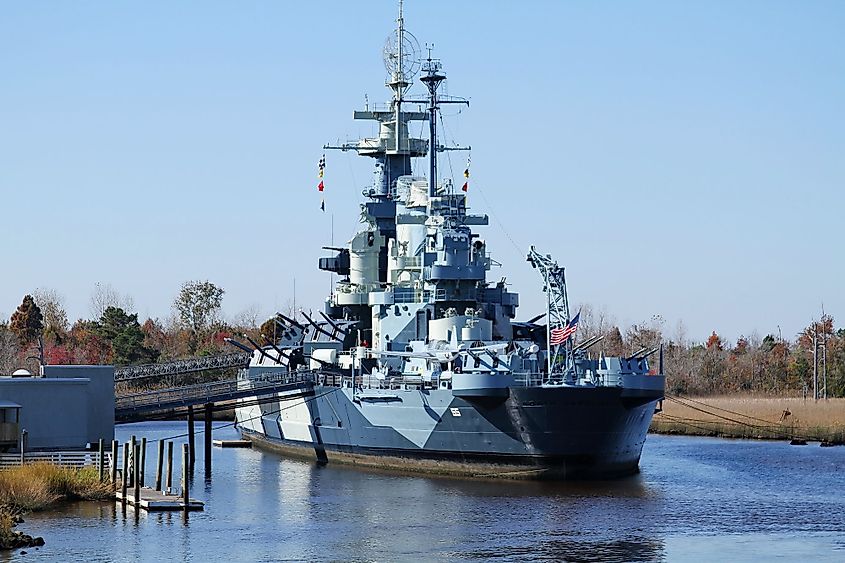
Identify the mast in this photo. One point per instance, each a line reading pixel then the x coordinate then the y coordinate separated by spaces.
pixel 393 147
pixel 400 37
pixel 432 81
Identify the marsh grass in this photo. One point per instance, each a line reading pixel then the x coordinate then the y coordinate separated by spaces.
pixel 36 486
pixel 7 522
pixel 753 417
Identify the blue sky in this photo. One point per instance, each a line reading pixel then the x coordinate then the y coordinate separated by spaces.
pixel 682 159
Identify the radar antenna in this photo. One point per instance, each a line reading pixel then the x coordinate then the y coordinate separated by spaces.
pixel 402 62
pixel 401 56
pixel 557 303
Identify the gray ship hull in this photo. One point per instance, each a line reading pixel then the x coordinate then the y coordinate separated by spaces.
pixel 533 433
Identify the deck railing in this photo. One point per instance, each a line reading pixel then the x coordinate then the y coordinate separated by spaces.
pixel 74 459
pixel 207 392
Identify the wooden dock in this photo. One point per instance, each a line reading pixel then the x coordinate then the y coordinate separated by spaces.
pixel 156 501
pixel 233 443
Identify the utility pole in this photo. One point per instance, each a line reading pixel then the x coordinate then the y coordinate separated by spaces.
pixel 824 354
pixel 824 366
pixel 815 362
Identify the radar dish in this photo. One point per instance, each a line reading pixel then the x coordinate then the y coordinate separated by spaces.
pixel 410 57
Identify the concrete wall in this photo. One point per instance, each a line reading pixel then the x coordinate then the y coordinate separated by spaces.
pixel 69 408
pixel 100 396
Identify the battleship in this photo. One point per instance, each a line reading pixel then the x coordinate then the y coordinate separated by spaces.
pixel 416 361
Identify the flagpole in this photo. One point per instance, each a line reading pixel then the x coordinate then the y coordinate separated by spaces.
pixel 548 327
pixel 568 344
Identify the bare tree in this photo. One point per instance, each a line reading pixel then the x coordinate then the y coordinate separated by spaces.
pixel 646 335
pixel 680 337
pixel 248 318
pixel 51 303
pixel 613 345
pixel 105 296
pixel 593 322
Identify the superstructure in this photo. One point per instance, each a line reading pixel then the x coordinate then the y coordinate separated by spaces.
pixel 416 361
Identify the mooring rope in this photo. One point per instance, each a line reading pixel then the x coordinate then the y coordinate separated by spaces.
pixel 768 427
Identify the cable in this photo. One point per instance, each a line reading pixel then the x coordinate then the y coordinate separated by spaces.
pixel 519 250
pixel 675 397
pixel 445 138
pixel 685 423
pixel 768 427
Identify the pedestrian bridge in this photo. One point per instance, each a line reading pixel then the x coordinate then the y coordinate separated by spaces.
pixel 180 367
pixel 140 406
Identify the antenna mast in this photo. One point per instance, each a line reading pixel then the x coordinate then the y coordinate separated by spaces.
pixel 432 81
pixel 399 78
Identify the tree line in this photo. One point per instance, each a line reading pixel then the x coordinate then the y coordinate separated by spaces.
pixel 772 365
pixel 767 365
pixel 39 331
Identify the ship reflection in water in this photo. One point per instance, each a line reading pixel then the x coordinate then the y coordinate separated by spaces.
pixel 696 499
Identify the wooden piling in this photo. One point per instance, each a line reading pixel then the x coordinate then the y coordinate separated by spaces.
pixel 132 460
pixel 114 447
pixel 124 478
pixel 185 493
pixel 169 481
pixel 102 461
pixel 159 461
pixel 208 411
pixel 136 479
pixel 143 462
pixel 191 448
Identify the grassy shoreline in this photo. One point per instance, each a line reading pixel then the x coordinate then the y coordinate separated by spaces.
pixel 38 486
pixel 767 418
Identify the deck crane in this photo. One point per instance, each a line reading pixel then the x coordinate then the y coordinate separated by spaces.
pixel 557 311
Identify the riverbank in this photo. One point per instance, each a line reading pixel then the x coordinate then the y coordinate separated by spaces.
pixel 36 487
pixel 753 417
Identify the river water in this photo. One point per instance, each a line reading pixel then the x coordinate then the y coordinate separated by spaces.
pixel 697 499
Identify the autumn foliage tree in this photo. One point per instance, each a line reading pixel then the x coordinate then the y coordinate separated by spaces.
pixel 123 333
pixel 269 330
pixel 714 342
pixel 198 305
pixel 88 346
pixel 27 322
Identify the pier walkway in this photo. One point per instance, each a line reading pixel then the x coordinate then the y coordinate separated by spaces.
pixel 138 406
pixel 180 367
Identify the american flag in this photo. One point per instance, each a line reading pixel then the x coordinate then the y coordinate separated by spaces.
pixel 560 335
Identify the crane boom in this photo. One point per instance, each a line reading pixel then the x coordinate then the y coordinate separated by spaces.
pixel 557 311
